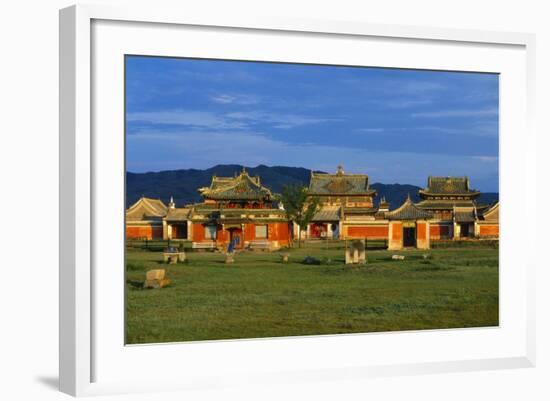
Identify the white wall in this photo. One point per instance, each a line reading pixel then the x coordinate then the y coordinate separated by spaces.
pixel 28 162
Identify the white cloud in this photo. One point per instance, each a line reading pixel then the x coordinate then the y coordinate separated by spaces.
pixel 478 129
pixel 415 86
pixel 458 113
pixel 487 159
pixel 236 120
pixel 280 120
pixel 369 130
pixel 197 149
pixel 406 104
pixel 223 99
pixel 197 119
pixel 235 99
pixel 395 87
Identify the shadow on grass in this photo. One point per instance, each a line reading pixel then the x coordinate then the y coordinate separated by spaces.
pixel 134 284
pixel 428 267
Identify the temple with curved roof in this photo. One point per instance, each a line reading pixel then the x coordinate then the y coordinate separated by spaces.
pixel 241 190
pixel 347 206
pixel 453 204
pixel 239 210
pixel 409 226
pixel 144 218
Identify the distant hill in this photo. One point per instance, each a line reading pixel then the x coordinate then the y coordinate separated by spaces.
pixel 183 184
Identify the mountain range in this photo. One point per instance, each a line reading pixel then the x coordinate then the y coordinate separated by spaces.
pixel 182 185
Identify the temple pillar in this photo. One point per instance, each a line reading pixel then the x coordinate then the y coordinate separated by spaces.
pixel 422 234
pixel 164 230
pixel 395 235
pixel 456 231
pixel 189 230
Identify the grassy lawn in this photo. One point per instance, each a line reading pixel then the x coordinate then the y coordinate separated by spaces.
pixel 258 296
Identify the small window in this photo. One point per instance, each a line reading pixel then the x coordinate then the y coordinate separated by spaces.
pixel 261 231
pixel 210 232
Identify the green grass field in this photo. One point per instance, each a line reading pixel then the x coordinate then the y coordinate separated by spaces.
pixel 258 296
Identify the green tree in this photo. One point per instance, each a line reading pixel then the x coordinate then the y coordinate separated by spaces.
pixel 299 206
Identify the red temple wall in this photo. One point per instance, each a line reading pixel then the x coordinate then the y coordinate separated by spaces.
pixel 488 230
pixel 278 231
pixel 438 231
pixel 222 235
pixel 367 232
pixel 250 232
pixel 141 232
pixel 421 231
pixel 397 231
pixel 198 232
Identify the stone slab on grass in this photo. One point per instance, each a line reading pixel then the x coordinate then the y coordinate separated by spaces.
pixel 156 283
pixel 155 274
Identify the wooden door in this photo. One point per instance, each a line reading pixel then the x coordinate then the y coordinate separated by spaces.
pixel 465 230
pixel 409 236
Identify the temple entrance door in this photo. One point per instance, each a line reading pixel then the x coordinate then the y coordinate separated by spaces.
pixel 464 230
pixel 409 236
pixel 236 236
pixel 317 230
pixel 179 231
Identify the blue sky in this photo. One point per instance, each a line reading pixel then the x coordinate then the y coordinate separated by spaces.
pixel 398 126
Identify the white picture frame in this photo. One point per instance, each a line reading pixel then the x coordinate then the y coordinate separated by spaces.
pixel 82 344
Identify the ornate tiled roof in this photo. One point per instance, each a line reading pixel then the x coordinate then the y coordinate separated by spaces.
pixel 360 210
pixel 339 184
pixel 327 213
pixel 430 204
pixel 464 214
pixel 492 212
pixel 146 209
pixel 219 215
pixel 178 214
pixel 448 186
pixel 241 187
pixel 408 211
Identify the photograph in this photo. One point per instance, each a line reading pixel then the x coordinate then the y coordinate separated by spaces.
pixel 270 199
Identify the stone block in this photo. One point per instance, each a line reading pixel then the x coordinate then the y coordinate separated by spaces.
pixel 156 283
pixel 156 274
pixel 356 254
pixel 349 259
